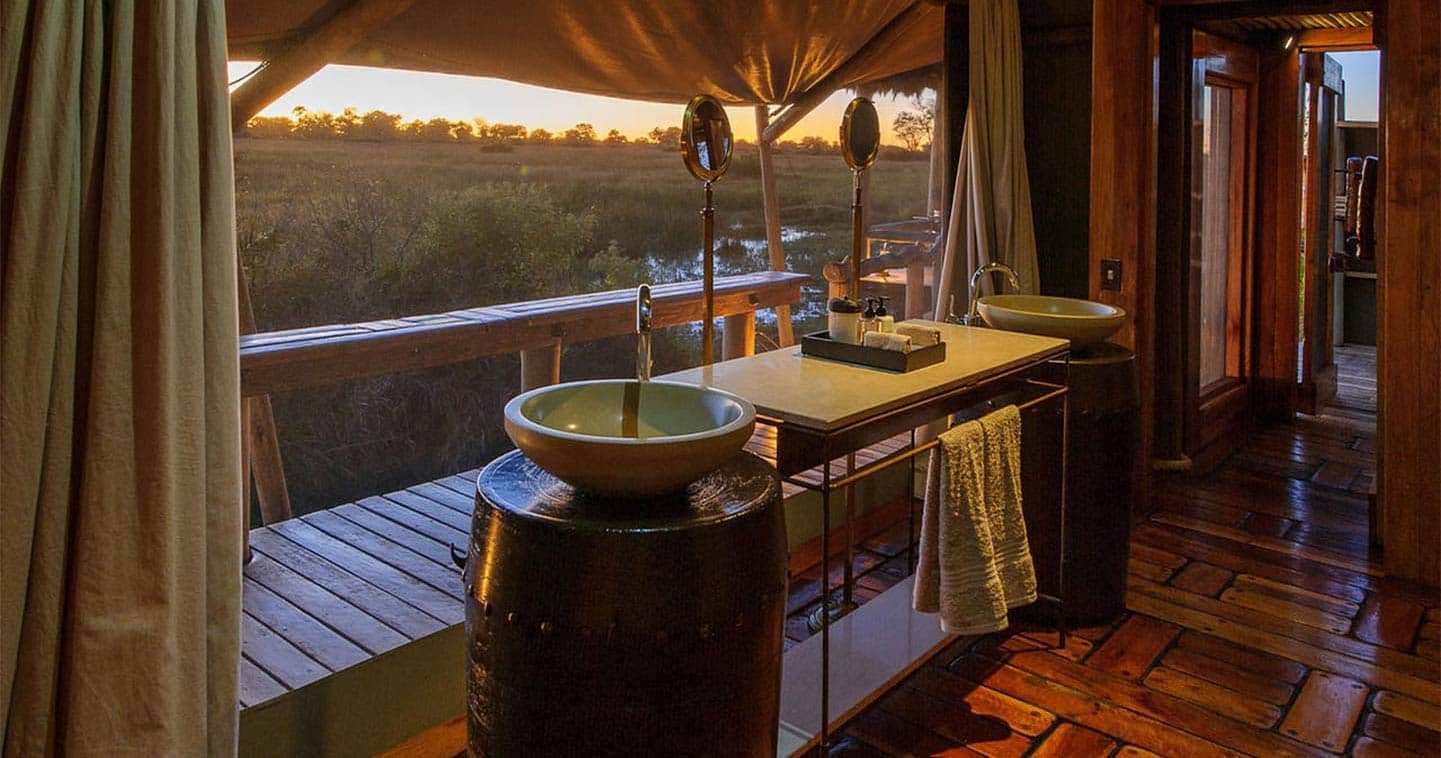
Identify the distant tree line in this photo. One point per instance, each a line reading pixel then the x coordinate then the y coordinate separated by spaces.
pixel 380 126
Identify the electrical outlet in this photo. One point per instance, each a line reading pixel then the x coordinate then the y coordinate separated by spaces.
pixel 1111 274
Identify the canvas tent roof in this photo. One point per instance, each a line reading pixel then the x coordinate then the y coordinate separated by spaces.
pixel 742 51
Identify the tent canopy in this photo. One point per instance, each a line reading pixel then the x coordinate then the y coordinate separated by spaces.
pixel 745 52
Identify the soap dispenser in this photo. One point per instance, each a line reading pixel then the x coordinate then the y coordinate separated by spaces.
pixel 868 319
pixel 885 322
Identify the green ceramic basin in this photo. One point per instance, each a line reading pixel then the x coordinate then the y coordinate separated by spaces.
pixel 628 438
pixel 1083 322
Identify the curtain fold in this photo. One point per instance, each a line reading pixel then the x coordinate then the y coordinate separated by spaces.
pixel 990 211
pixel 120 528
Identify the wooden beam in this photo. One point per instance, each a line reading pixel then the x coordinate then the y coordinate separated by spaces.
pixel 1335 40
pixel 1408 366
pixel 955 94
pixel 1123 190
pixel 309 54
pixel 771 204
pixel 317 356
pixel 883 40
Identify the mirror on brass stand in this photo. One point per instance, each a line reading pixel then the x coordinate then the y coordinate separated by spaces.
pixel 860 142
pixel 705 142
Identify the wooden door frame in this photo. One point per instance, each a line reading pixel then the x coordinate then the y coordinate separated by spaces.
pixel 1190 418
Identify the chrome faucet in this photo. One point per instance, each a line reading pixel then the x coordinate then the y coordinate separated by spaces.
pixel 642 330
pixel 973 317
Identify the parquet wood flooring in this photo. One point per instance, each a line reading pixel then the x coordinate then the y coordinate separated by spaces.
pixel 1259 622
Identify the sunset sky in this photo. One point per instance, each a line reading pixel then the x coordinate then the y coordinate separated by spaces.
pixel 425 95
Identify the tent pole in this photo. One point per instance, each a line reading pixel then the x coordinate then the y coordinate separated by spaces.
pixel 772 204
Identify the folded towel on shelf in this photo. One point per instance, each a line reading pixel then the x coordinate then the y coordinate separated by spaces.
pixel 887 341
pixel 921 336
pixel 975 562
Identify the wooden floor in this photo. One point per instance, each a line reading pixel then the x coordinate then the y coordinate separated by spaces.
pixel 1259 623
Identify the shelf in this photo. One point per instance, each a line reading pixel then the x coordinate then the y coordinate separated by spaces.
pixel 872 649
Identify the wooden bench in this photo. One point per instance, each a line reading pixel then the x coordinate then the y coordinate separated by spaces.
pixel 353 632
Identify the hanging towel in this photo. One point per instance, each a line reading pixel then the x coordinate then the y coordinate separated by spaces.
pixel 975 562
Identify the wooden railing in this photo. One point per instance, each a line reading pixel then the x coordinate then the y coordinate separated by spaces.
pixel 294 359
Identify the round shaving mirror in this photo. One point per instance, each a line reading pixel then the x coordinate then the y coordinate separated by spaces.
pixel 705 138
pixel 860 134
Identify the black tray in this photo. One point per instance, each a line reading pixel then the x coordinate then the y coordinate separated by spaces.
pixel 821 345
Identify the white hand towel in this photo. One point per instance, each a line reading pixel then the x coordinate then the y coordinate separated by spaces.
pixel 974 560
pixel 887 341
pixel 921 336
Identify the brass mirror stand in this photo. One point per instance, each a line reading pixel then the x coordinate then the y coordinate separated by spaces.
pixel 705 142
pixel 860 142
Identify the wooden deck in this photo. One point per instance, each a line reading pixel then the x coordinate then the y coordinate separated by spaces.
pixel 1259 623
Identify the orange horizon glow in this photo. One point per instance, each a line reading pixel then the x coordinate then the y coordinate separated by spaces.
pixel 424 95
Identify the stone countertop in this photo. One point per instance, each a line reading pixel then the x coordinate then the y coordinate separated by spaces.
pixel 825 395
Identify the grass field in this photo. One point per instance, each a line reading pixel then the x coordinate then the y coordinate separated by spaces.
pixel 335 231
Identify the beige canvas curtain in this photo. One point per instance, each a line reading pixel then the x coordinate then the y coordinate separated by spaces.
pixel 990 217
pixel 120 471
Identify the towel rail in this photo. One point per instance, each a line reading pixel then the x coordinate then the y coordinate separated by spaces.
pixel 916 450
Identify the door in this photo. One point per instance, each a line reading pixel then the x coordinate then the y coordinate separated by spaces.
pixel 1218 279
pixel 1316 371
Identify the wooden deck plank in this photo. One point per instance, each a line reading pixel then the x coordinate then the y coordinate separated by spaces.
pixel 436 550
pixel 1264 664
pixel 1228 675
pixel 982 701
pixel 1202 578
pixel 1328 603
pixel 1213 697
pixel 431 509
pixel 1134 647
pixel 256 686
pixel 1325 711
pixel 1070 740
pixel 892 735
pixel 415 521
pixel 386 607
pixel 443 577
pixel 300 629
pixel 350 621
pixel 1426 715
pixel 1284 609
pixel 437 603
pixel 283 661
pixel 1390 621
pixel 1404 734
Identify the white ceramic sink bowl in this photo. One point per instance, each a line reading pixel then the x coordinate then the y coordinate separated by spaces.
pixel 1083 322
pixel 628 438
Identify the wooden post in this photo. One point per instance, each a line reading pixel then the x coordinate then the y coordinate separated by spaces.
pixel 935 183
pixel 1408 359
pixel 1123 191
pixel 738 335
pixel 785 334
pixel 261 451
pixel 540 367
pixel 916 300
